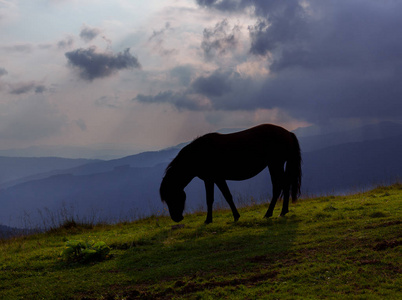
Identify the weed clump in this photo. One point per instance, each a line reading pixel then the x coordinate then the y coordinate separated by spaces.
pixel 85 252
pixel 377 214
pixel 320 216
pixel 330 207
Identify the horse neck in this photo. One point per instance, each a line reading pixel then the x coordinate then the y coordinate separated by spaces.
pixel 180 176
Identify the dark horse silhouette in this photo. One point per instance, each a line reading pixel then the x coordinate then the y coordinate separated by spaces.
pixel 216 157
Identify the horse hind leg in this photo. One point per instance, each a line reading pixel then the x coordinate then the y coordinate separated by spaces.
pixel 277 175
pixel 286 193
pixel 285 206
pixel 222 185
pixel 276 192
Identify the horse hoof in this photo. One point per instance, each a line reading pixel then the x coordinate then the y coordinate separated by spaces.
pixel 207 222
pixel 267 216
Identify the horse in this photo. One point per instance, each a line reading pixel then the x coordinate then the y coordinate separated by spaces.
pixel 215 158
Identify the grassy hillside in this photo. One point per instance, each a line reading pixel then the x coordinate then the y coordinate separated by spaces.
pixel 327 247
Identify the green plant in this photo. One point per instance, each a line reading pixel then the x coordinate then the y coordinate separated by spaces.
pixel 85 251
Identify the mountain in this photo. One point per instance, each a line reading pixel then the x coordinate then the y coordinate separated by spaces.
pixel 124 193
pixel 12 168
pixel 128 193
pixel 353 165
pixel 141 160
pixel 103 152
pixel 365 133
pixel 145 159
pixel 128 188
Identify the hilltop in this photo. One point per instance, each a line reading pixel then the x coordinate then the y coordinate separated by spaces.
pixel 326 247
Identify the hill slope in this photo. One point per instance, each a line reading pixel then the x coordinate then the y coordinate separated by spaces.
pixel 328 247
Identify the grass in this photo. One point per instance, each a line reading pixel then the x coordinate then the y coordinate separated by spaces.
pixel 328 247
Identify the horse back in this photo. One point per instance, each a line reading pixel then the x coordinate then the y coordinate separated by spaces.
pixel 243 154
pixel 265 138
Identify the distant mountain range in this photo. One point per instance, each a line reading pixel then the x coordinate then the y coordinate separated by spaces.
pixel 14 168
pixel 128 188
pixel 365 133
pixel 103 152
pixel 87 167
pixel 7 232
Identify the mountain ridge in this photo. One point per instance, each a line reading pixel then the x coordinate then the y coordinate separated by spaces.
pixel 128 192
pixel 128 186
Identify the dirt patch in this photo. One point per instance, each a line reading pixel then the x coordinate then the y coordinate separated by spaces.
pixel 178 226
pixel 386 245
pixel 369 262
pixel 192 287
pixel 181 287
pixel 386 224
pixel 263 260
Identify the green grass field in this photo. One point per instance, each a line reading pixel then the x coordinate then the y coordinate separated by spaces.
pixel 346 247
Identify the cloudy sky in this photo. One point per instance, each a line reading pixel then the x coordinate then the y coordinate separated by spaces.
pixel 151 74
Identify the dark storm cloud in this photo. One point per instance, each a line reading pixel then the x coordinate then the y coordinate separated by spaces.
pixel 183 74
pixel 39 89
pixel 162 97
pixel 285 24
pixel 93 64
pixel 219 39
pixel 225 5
pixel 215 85
pixel 3 72
pixel 26 87
pixel 88 33
pixel 327 60
pixel 217 91
pixel 278 21
pixel 181 100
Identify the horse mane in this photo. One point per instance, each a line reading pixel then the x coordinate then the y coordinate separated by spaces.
pixel 183 154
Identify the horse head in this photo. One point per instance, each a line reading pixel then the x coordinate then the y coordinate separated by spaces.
pixel 174 198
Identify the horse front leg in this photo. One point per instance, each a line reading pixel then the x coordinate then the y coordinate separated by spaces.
pixel 209 189
pixel 222 185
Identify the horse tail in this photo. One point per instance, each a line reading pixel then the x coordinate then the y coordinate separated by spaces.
pixel 293 168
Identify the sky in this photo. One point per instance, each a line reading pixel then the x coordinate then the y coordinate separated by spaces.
pixel 144 75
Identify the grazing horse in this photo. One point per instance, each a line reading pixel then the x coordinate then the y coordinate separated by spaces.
pixel 216 157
